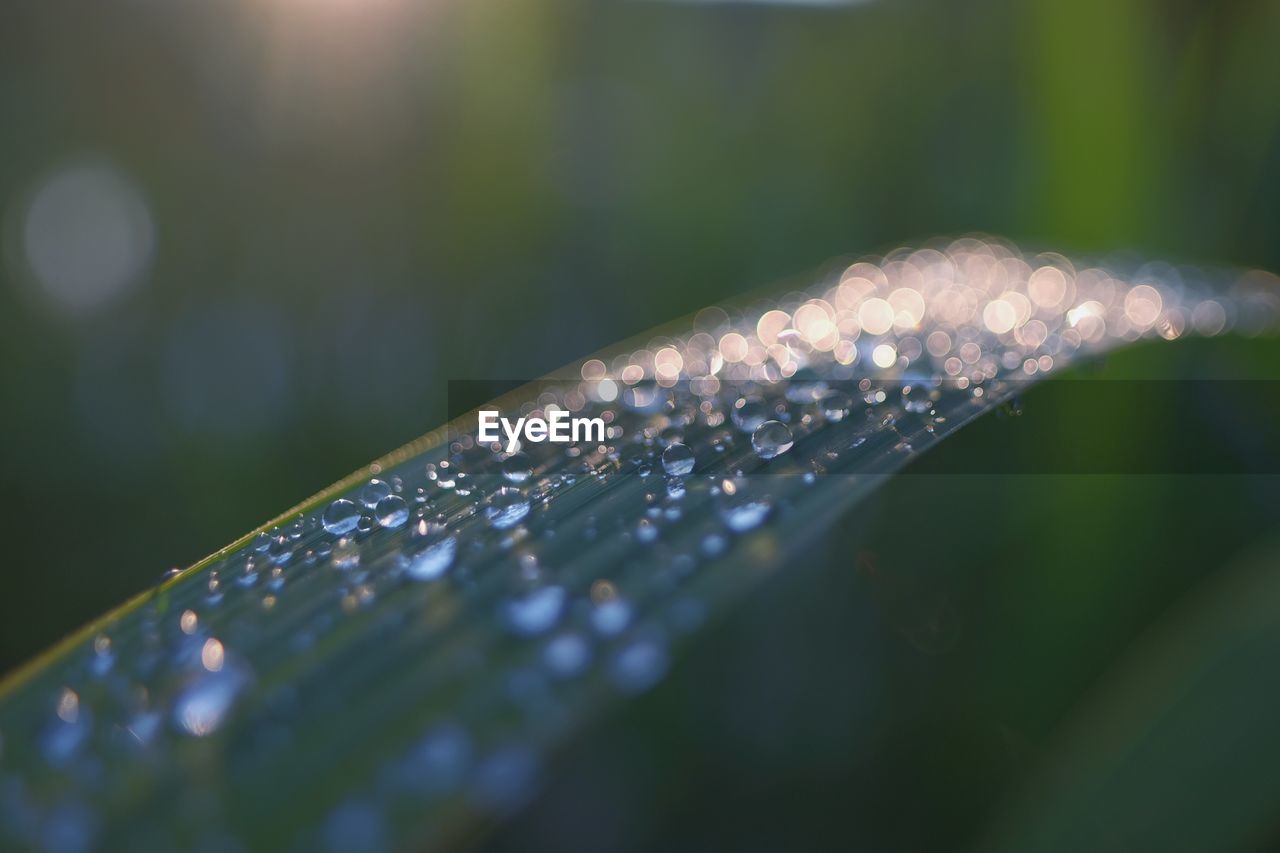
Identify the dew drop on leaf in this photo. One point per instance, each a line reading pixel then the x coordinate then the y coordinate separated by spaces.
pixel 340 517
pixel 677 460
pixel 374 491
pixel 517 467
pixel 433 560
pixel 771 438
pixel 506 508
pixel 391 511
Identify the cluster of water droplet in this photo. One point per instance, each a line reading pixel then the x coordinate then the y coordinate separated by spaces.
pixel 426 633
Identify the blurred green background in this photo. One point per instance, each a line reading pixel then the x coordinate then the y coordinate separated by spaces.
pixel 335 206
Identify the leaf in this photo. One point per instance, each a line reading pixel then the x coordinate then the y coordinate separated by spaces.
pixel 394 661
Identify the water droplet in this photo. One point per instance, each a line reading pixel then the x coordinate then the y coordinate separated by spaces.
pixel 646 531
pixel 536 612
pixel 280 551
pixel 742 510
pixel 341 517
pixel 391 511
pixel 346 554
pixel 714 544
pixel 567 655
pixel 721 440
pixel 611 616
pixel 517 467
pixel 677 460
pixel 204 705
pixel 771 438
pixel 640 664
pixel 68 731
pixel 433 560
pixel 836 406
pixel 374 491
pixel 506 508
pixel 214 586
pixel 103 658
pixel 439 762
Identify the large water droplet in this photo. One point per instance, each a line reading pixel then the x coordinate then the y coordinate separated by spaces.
pixel 517 467
pixel 341 517
pixel 507 507
pixel 771 438
pixel 391 511
pixel 374 491
pixel 677 460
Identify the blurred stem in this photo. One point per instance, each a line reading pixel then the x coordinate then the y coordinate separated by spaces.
pixel 1093 114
